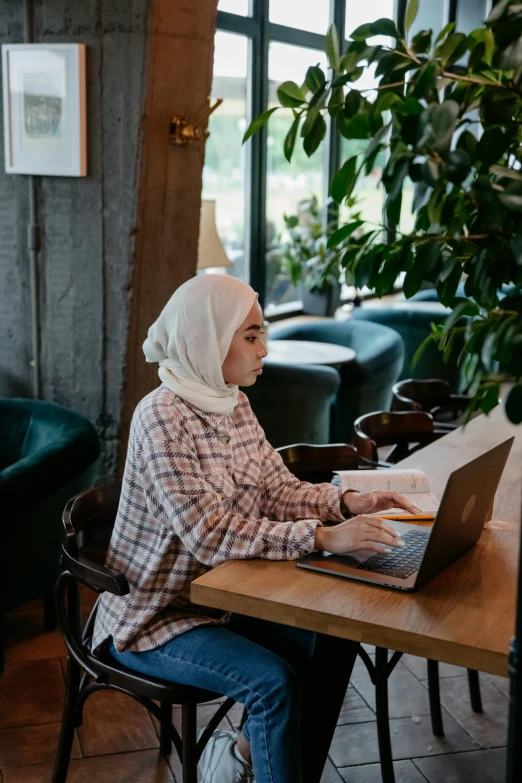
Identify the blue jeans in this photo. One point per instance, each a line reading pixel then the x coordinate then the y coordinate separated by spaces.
pixel 258 663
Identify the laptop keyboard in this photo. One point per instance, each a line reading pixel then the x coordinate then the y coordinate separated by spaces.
pixel 403 562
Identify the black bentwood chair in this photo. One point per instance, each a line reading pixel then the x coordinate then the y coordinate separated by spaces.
pixel 88 521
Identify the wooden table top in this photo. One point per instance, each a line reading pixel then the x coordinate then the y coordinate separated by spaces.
pixel 307 352
pixel 464 616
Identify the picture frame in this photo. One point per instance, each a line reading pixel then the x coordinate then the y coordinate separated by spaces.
pixel 44 104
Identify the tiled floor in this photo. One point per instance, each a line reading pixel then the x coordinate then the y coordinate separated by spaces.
pixel 118 742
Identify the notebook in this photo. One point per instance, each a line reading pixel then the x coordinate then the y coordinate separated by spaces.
pixel 413 485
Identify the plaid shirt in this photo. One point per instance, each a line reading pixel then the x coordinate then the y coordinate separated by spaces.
pixel 198 489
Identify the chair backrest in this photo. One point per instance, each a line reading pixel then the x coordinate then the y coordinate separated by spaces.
pixel 293 403
pixel 88 520
pixel 366 382
pixel 419 395
pixel 406 431
pixel 317 463
pixel 433 396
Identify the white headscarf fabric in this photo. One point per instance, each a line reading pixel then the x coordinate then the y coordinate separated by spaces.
pixel 192 336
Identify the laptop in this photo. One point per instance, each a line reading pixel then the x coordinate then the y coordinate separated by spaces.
pixel 463 511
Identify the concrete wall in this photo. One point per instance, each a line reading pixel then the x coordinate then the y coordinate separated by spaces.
pixel 87 223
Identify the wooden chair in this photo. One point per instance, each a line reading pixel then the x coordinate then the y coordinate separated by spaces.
pixel 88 521
pixel 317 463
pixel 405 431
pixel 432 396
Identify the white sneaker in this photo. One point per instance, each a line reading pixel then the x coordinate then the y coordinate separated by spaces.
pixel 220 764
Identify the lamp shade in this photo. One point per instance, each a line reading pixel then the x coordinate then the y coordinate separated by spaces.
pixel 211 252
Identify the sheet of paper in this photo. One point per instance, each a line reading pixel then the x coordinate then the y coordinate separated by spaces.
pixel 402 481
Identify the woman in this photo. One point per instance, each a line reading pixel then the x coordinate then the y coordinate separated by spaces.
pixel 201 486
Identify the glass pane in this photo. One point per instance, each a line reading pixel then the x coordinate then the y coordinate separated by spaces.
pixel 240 7
pixel 288 184
pixel 311 15
pixel 224 170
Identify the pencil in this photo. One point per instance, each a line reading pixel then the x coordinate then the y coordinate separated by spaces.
pixel 405 517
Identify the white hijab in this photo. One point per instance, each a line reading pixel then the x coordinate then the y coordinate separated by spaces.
pixel 192 336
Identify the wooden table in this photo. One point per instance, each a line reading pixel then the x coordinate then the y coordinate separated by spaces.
pixel 307 352
pixel 464 616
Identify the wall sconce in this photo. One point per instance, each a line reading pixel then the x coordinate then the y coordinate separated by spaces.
pixel 182 132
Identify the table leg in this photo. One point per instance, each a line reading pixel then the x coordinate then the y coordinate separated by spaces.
pixel 323 698
pixel 383 719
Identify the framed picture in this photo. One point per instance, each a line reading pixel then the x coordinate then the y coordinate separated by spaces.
pixel 44 109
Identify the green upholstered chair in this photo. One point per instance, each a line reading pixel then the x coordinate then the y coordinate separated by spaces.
pixel 431 295
pixel 293 402
pixel 366 383
pixel 47 454
pixel 413 325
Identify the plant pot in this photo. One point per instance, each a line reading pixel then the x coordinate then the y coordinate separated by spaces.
pixel 324 303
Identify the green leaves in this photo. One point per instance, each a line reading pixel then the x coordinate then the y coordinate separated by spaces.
pixel 379 27
pixel 315 135
pixel 258 123
pixel 344 180
pixel 411 14
pixel 343 233
pixel 492 145
pixel 452 49
pixel 315 79
pixel 332 48
pixel 290 95
pixel 290 138
pixel 453 114
pixel 443 119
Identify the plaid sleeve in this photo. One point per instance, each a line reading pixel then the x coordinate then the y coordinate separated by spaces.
pixel 285 497
pixel 180 497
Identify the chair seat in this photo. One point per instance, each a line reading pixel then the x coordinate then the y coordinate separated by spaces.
pixel 112 672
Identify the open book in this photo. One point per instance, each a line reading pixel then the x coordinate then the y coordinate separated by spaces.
pixel 413 485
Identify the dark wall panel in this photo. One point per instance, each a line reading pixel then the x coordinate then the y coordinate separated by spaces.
pixel 87 223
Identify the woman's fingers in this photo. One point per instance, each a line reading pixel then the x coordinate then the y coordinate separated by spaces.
pixel 401 502
pixel 380 524
pixel 378 531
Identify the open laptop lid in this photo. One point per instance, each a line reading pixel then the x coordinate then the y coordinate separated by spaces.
pixel 464 509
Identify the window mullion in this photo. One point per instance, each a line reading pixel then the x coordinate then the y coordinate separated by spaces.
pixel 256 206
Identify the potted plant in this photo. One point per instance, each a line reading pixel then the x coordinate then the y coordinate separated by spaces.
pixel 308 257
pixel 448 110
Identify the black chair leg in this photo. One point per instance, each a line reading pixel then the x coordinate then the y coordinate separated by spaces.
pixel 50 620
pixel 383 718
pixel 63 754
pixel 165 740
pixel 437 725
pixel 474 691
pixel 189 757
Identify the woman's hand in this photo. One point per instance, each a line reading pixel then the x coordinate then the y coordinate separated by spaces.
pixel 358 533
pixel 370 502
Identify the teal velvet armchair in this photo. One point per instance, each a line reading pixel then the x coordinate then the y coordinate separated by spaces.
pixel 293 402
pixel 366 383
pixel 413 325
pixel 47 454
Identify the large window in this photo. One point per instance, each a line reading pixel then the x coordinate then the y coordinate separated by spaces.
pixel 225 157
pixel 258 44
